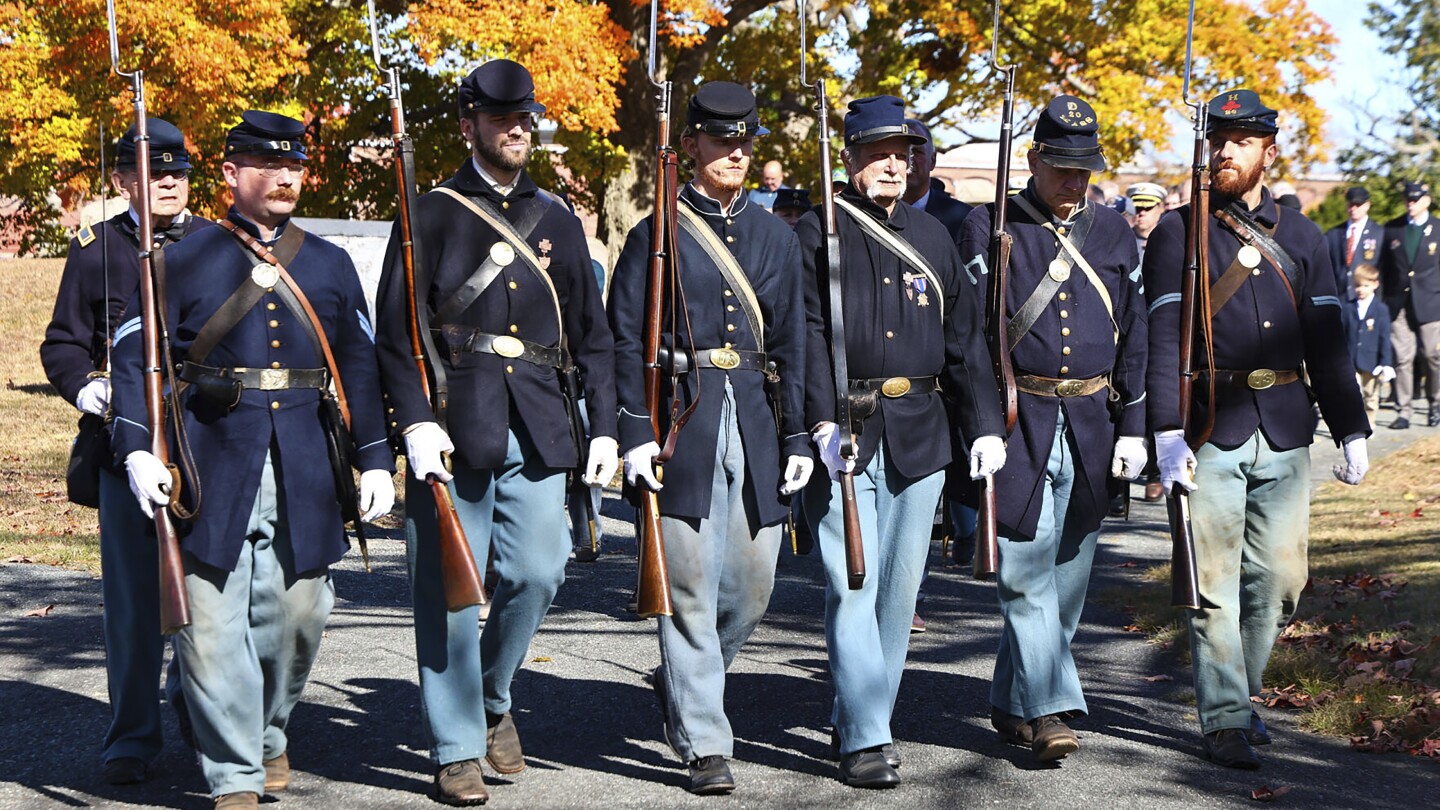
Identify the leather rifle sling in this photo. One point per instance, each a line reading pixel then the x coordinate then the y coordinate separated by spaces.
pixel 724 260
pixel 899 248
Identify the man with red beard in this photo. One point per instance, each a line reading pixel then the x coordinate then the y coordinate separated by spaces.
pixel 727 488
pixel 1274 308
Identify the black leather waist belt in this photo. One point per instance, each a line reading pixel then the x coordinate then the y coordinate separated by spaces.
pixel 730 359
pixel 1256 380
pixel 1060 387
pixel 259 379
pixel 894 386
pixel 464 339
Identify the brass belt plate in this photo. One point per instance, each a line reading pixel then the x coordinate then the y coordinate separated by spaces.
pixel 724 358
pixel 274 379
pixel 1260 379
pixel 507 346
pixel 895 387
pixel 1070 388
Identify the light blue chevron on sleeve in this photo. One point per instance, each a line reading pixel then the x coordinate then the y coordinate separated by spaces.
pixel 1169 298
pixel 984 270
pixel 126 329
pixel 1325 301
pixel 365 326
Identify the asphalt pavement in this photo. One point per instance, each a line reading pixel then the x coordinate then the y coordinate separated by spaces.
pixel 591 727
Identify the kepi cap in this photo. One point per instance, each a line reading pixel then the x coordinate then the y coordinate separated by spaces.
pixel 725 110
pixel 1241 109
pixel 266 133
pixel 876 118
pixel 498 87
pixel 1066 135
pixel 167 147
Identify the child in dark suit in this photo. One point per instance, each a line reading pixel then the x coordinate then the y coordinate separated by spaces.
pixel 1370 348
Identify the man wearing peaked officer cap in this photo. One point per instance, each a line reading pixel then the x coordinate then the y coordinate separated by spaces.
pixel 1410 279
pixel 1077 345
pixel 513 304
pixel 1273 308
pixel 728 486
pixel 911 327
pixel 102 271
pixel 256 373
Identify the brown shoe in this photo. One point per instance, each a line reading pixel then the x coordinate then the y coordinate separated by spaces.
pixel 502 746
pixel 1053 739
pixel 1012 729
pixel 238 801
pixel 460 784
pixel 277 773
pixel 1154 492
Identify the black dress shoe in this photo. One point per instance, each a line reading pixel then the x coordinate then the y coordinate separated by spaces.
pixel 891 753
pixel 460 784
pixel 1400 423
pixel 125 771
pixel 710 776
pixel 1229 747
pixel 1257 734
pixel 1012 729
pixel 962 550
pixel 1433 419
pixel 868 769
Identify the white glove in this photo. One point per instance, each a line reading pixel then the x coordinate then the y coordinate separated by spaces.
pixel 826 436
pixel 640 466
pixel 797 474
pixel 1175 460
pixel 987 456
pixel 1385 373
pixel 1130 457
pixel 1357 462
pixel 603 462
pixel 94 398
pixel 424 444
pixel 377 494
pixel 149 481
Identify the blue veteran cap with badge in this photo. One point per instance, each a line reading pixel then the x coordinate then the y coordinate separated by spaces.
pixel 167 147
pixel 725 110
pixel 499 87
pixel 792 198
pixel 266 133
pixel 876 118
pixel 1414 191
pixel 1241 109
pixel 1066 135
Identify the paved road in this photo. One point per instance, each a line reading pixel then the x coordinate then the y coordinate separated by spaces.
pixel 591 727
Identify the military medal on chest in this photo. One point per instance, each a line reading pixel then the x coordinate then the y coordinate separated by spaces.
pixel 544 247
pixel 915 289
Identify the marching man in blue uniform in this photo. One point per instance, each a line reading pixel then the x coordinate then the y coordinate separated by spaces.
pixel 727 487
pixel 254 368
pixel 1274 308
pixel 102 272
pixel 506 289
pixel 1077 339
pixel 912 327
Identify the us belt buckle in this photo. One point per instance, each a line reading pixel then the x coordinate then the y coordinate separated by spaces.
pixel 1260 379
pixel 895 387
pixel 274 379
pixel 724 358
pixel 507 346
pixel 1069 388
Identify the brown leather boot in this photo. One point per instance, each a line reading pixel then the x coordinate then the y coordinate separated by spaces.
pixel 277 773
pixel 502 746
pixel 460 784
pixel 238 801
pixel 1053 739
pixel 1012 728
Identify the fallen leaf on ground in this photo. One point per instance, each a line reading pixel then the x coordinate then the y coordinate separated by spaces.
pixel 40 612
pixel 1265 793
pixel 1158 678
pixel 541 659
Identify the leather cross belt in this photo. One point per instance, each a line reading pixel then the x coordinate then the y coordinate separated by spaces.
pixel 465 339
pixel 1060 387
pixel 894 386
pixel 259 379
pixel 1256 380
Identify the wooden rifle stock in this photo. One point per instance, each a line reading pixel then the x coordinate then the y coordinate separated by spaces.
pixel 174 600
pixel 987 530
pixel 460 576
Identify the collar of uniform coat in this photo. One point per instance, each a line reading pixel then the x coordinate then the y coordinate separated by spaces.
pixel 897 220
pixel 1264 213
pixel 706 206
pixel 254 230
pixel 1034 199
pixel 469 181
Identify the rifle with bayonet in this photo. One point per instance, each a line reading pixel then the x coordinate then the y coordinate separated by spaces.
pixel 460 577
pixel 987 531
pixel 1194 306
pixel 174 600
pixel 834 272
